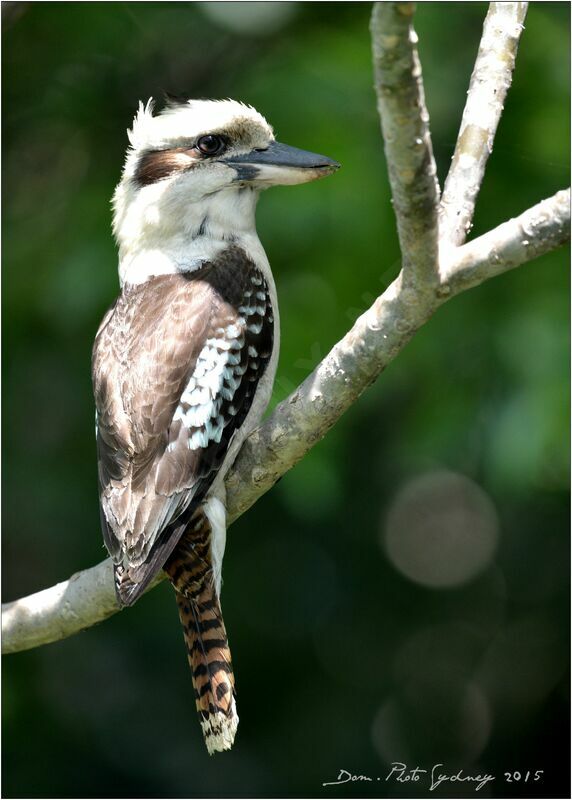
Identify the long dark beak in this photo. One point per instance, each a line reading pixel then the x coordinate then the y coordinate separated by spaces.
pixel 281 164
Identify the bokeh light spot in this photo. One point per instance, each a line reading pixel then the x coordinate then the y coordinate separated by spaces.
pixel 250 18
pixel 441 530
pixel 455 719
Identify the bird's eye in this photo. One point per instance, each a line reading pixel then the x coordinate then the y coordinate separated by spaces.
pixel 210 145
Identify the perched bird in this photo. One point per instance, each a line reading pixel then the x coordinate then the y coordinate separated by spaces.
pixel 183 362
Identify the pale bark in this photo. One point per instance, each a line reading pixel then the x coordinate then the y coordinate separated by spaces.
pixel 490 81
pixel 407 141
pixel 353 363
pixel 542 228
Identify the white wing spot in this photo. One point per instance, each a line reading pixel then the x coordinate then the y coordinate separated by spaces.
pixel 218 374
pixel 233 358
pixel 233 331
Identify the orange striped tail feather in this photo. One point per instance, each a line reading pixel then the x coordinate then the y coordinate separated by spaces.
pixel 190 571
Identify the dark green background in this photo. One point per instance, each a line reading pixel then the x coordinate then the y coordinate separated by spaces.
pixel 341 660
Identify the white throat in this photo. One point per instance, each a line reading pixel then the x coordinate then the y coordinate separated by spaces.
pixel 160 231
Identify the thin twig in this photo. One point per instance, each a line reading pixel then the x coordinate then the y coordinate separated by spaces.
pixel 542 228
pixel 490 81
pixel 407 140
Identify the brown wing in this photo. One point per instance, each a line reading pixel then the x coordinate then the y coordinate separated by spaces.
pixel 175 369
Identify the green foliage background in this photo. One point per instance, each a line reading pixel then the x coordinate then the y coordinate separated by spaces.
pixel 341 660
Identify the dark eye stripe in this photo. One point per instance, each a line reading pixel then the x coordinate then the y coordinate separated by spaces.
pixel 155 165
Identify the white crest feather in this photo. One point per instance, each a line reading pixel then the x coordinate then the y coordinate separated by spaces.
pixel 188 120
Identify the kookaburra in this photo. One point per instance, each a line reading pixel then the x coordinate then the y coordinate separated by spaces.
pixel 183 362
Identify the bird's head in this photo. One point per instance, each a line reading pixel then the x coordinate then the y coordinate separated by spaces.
pixel 201 164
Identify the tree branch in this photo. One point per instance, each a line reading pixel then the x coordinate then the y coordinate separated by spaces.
pixel 542 228
pixel 490 81
pixel 351 366
pixel 407 140
pixel 301 420
pixel 60 611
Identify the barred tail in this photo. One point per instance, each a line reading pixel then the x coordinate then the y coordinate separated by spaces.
pixel 190 571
